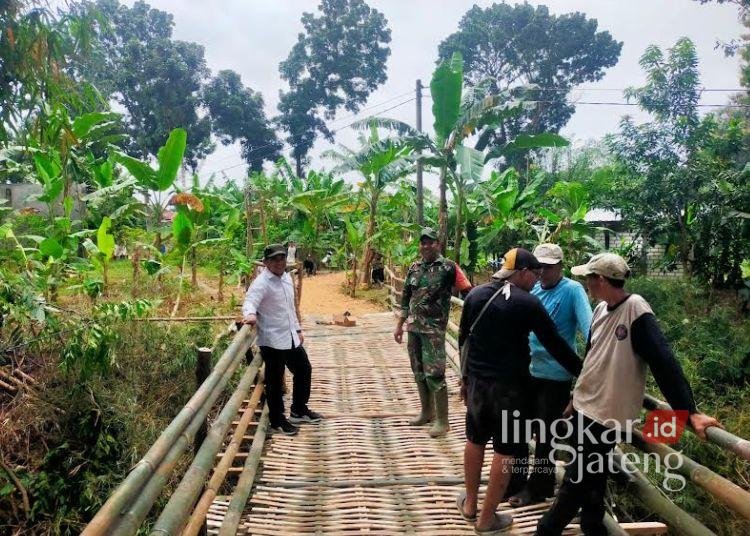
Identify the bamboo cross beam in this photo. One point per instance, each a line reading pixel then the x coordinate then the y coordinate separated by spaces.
pixel 722 489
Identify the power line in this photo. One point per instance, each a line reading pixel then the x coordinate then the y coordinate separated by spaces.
pixel 255 149
pixel 333 132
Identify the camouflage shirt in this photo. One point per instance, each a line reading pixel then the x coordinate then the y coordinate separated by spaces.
pixel 426 298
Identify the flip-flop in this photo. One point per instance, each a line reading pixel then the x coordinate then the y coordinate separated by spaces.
pixel 460 501
pixel 523 498
pixel 500 524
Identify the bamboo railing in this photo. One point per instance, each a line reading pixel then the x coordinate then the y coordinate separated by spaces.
pixel 723 490
pixel 127 507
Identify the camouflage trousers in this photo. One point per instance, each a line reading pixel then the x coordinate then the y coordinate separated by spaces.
pixel 427 357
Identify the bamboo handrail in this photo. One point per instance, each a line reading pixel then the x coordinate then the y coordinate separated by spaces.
pixel 131 519
pixel 714 434
pixel 245 483
pixel 198 516
pixel 182 500
pixel 727 492
pixel 188 318
pixel 133 486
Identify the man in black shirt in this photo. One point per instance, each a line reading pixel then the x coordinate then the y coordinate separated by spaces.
pixel 496 378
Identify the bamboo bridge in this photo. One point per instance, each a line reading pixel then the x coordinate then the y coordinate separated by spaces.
pixel 362 470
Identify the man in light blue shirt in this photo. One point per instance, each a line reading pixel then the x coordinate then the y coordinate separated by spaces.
pixel 567 304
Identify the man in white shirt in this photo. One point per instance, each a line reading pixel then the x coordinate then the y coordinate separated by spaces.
pixel 291 253
pixel 269 304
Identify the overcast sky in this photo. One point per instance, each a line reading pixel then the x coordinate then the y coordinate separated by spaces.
pixel 253 36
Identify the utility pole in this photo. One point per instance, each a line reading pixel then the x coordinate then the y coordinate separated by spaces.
pixel 420 188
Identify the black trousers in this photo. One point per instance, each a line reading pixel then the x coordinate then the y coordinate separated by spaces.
pixel 582 488
pixel 550 397
pixel 296 360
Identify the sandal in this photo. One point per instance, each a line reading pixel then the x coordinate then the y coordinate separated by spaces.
pixel 500 523
pixel 524 498
pixel 460 501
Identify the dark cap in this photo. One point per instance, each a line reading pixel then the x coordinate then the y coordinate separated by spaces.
pixel 273 250
pixel 429 232
pixel 517 259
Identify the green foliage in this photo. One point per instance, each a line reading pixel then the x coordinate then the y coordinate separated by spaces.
pixel 677 178
pixel 237 115
pixel 157 79
pixel 337 62
pixel 523 47
pixel 90 347
pixel 169 157
pixel 445 88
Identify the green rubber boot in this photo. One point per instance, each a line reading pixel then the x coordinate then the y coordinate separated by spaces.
pixel 425 400
pixel 440 426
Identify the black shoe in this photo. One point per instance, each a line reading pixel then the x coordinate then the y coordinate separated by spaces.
pixel 286 428
pixel 307 416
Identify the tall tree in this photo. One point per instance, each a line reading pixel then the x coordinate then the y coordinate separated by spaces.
pixel 515 46
pixel 679 180
pixel 157 79
pixel 338 60
pixel 237 115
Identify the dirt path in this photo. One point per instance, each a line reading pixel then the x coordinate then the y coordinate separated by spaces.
pixel 323 296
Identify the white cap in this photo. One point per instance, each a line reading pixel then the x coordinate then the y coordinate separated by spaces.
pixel 548 253
pixel 606 264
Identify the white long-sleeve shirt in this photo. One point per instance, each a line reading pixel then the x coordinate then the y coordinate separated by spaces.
pixel 271 298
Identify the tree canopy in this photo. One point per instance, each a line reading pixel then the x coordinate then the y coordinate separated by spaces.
pixel 522 45
pixel 338 60
pixel 237 115
pixel 155 78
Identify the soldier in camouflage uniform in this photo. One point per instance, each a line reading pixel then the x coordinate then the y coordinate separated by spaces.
pixel 425 305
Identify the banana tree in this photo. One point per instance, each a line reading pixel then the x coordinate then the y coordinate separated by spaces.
pixel 380 162
pixel 102 251
pixel 460 113
pixel 153 182
pixel 356 238
pixel 563 220
pixel 318 206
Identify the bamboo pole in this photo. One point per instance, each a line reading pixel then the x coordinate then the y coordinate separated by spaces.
pixel 187 319
pixel 174 515
pixel 245 484
pixel 677 519
pixel 457 301
pixel 130 488
pixel 714 434
pixel 722 489
pixel 131 518
pixel 198 516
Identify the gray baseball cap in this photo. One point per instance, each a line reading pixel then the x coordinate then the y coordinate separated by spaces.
pixel 548 253
pixel 605 264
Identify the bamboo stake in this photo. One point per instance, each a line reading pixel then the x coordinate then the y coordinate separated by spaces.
pixel 722 489
pixel 245 484
pixel 182 500
pixel 130 488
